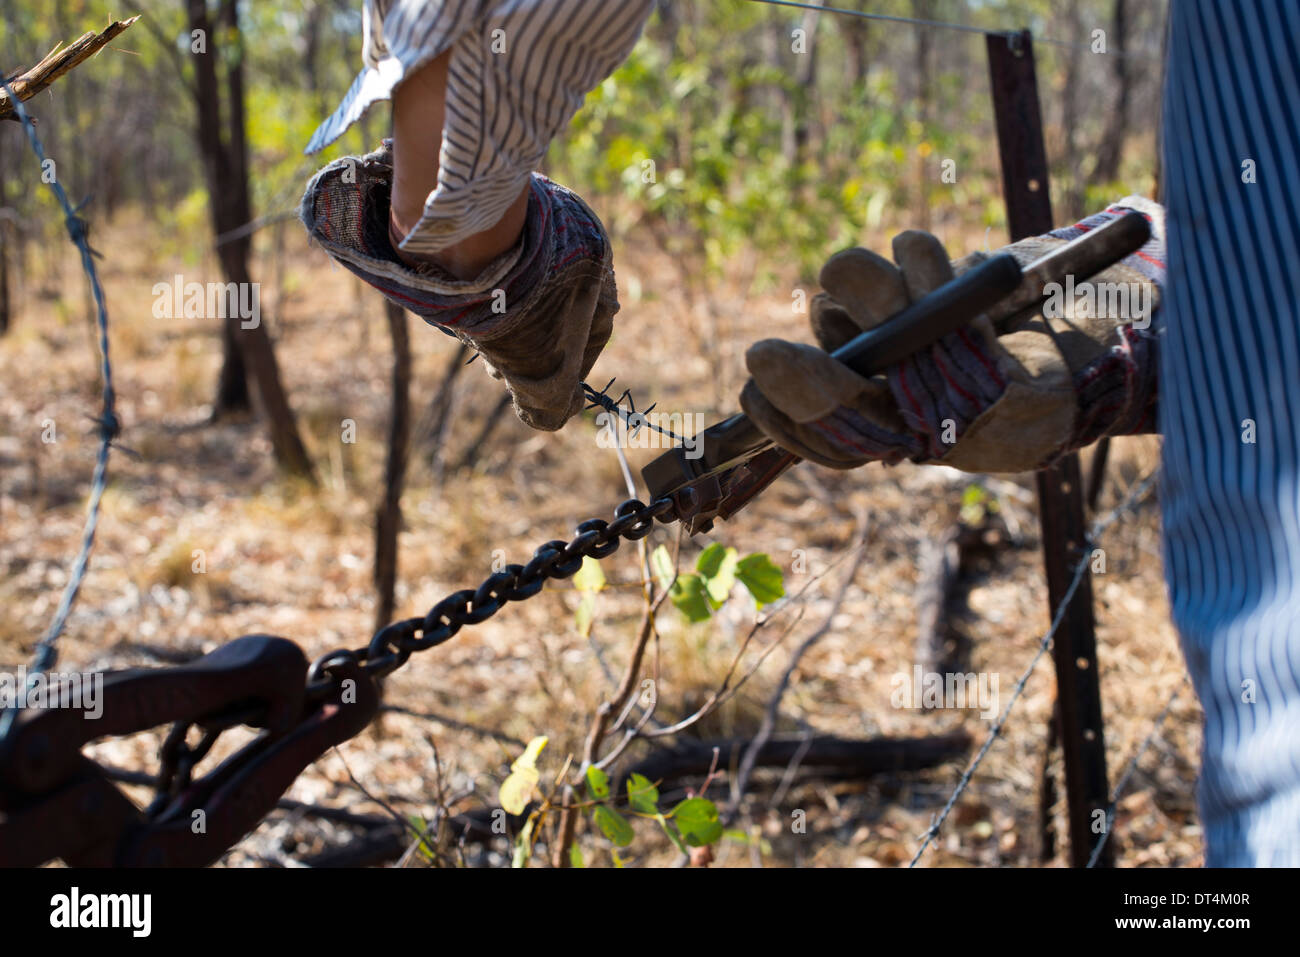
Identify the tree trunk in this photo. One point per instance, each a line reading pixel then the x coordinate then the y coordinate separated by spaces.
pixel 6 237
pixel 1070 120
pixel 431 436
pixel 225 162
pixel 797 102
pixel 923 10
pixel 855 41
pixel 388 515
pixel 1111 150
pixel 232 380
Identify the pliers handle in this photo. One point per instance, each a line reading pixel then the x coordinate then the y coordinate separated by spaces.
pixel 731 462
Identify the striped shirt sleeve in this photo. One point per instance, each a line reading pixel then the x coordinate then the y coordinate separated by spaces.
pixel 519 71
pixel 1230 371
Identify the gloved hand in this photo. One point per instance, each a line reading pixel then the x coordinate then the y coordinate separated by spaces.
pixel 1009 399
pixel 539 314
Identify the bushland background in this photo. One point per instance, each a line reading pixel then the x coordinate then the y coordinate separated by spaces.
pixel 727 164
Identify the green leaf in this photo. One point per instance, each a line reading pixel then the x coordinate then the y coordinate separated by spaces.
pixel 517 789
pixel 697 819
pixel 751 840
pixel 762 578
pixel 575 856
pixel 723 579
pixel 421 827
pixel 671 831
pixel 613 825
pixel 642 795
pixel 583 615
pixel 531 753
pixel 523 846
pixel 976 504
pixel 691 597
pixel 662 563
pixel 597 783
pixel 590 577
pixel 710 560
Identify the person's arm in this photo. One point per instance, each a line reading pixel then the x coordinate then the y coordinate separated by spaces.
pixel 448 218
pixel 419 112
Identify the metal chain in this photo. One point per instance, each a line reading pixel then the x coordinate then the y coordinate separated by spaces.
pixel 393 644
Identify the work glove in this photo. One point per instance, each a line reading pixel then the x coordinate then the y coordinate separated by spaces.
pixel 1010 398
pixel 539 314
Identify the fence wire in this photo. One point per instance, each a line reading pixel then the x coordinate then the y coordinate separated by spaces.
pixel 1130 501
pixel 1128 773
pixel 947 25
pixel 46 654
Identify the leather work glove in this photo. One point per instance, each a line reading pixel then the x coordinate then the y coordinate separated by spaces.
pixel 539 314
pixel 1014 398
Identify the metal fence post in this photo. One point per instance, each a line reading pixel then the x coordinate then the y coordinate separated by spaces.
pixel 1060 492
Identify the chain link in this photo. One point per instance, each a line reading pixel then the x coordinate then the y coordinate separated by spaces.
pixel 393 644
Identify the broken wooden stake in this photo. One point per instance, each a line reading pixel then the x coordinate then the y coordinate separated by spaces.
pixel 56 63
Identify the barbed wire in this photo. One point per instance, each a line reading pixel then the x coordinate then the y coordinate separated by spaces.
pixel 948 25
pixel 1098 527
pixel 633 419
pixel 46 654
pixel 1128 772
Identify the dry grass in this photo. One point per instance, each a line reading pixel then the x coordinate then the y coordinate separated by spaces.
pixel 286 560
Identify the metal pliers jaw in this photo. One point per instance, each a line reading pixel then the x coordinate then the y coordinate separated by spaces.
pixel 57 803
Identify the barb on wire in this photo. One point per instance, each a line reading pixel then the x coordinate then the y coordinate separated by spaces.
pixel 942 25
pixel 1128 773
pixel 1099 526
pixel 46 653
pixel 631 417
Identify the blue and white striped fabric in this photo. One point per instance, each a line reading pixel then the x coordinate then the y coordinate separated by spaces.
pixel 519 71
pixel 1230 380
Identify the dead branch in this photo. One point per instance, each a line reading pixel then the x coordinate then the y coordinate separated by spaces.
pixel 948 566
pixel 475 447
pixel 388 513
pixel 432 431
pixel 58 62
pixel 938 639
